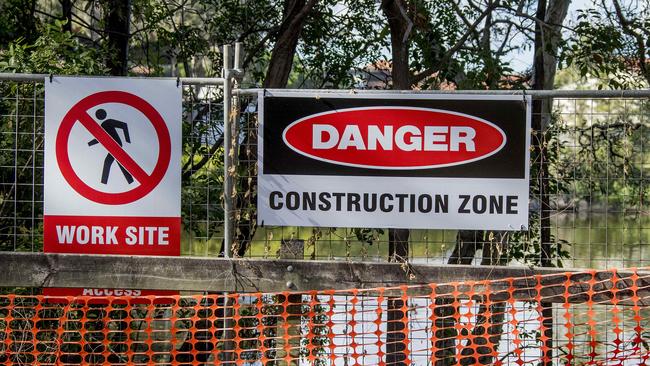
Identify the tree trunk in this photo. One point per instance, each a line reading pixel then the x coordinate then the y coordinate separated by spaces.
pixel 66 9
pixel 398 246
pixel 467 243
pixel 398 239
pixel 294 16
pixel 29 23
pixel 400 30
pixel 117 19
pixel 547 38
pixel 547 41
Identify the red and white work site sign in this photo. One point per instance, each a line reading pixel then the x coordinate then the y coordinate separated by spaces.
pixel 393 160
pixel 112 166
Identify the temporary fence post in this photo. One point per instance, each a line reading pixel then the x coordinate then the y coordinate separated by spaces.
pixel 237 63
pixel 540 114
pixel 228 337
pixel 227 142
pixel 237 75
pixel 293 249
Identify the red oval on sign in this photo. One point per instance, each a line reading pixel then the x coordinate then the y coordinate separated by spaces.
pixel 394 137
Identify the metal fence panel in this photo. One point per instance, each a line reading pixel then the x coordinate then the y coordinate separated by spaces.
pixel 597 177
pixel 594 174
pixel 21 161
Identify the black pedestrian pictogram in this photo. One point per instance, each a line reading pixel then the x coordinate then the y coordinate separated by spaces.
pixel 111 126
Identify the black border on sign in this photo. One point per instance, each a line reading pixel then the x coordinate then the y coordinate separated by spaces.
pixel 511 113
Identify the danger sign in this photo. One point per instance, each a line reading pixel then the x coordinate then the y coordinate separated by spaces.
pixel 394 160
pixel 112 166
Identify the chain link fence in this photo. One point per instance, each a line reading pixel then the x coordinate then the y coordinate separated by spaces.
pixel 593 169
pixel 589 208
pixel 21 159
pixel 595 181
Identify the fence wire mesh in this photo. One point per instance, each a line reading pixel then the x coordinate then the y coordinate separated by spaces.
pixel 595 179
pixel 599 317
pixel 21 161
pixel 589 208
pixel 593 169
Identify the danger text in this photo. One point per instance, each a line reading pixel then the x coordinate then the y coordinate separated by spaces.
pixel 405 138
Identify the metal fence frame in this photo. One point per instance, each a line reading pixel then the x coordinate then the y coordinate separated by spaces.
pixel 249 275
pixel 232 75
pixel 537 95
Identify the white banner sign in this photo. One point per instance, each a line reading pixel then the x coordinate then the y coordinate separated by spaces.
pixel 394 160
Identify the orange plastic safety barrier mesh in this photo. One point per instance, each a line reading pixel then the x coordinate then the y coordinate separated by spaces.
pixel 594 317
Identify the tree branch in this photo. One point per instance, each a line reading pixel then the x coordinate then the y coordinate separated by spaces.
pixel 253 52
pixel 281 62
pixel 462 17
pixel 535 19
pixel 640 42
pixel 506 39
pixel 190 167
pixel 459 44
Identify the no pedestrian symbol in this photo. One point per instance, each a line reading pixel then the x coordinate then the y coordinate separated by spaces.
pixel 106 134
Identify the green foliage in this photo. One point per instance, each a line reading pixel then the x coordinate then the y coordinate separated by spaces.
pixel 255 23
pixel 53 52
pixel 339 37
pixel 606 165
pixel 448 46
pixel 525 247
pixel 21 127
pixel 162 39
pixel 592 47
pixel 202 168
pixel 181 38
pixel 609 48
pixel 438 29
pixel 17 20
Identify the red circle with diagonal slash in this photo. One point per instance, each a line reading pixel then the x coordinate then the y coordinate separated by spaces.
pixel 79 113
